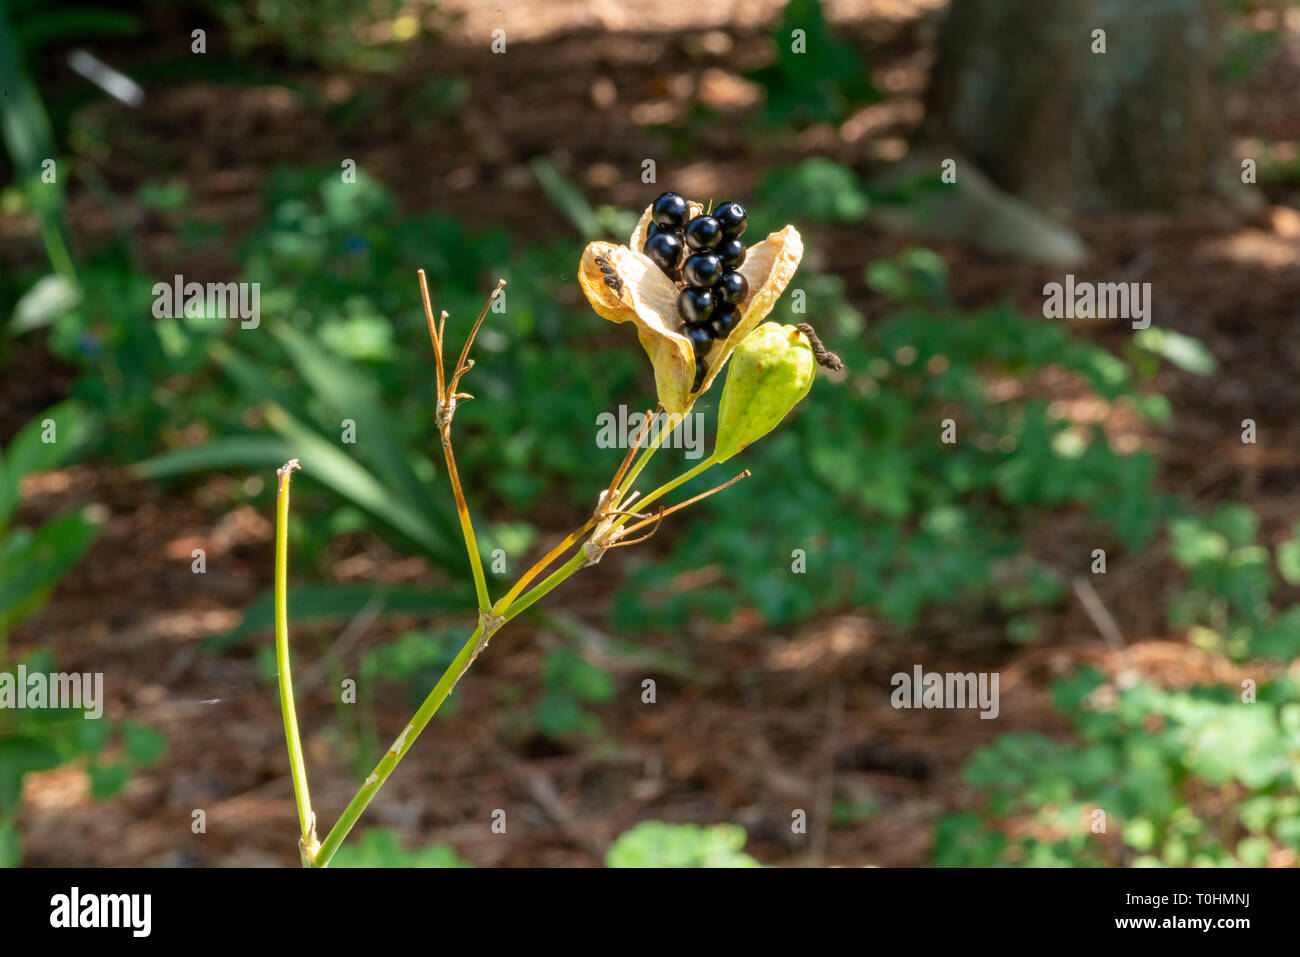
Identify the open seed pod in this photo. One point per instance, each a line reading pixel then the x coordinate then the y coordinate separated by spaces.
pixel 623 285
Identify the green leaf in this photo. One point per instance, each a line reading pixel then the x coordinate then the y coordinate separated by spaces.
pixel 1140 834
pixel 107 781
pixel 250 377
pixel 381 847
pixel 1237 522
pixel 961 839
pixel 351 395
pixel 143 744
pixel 28 452
pixel 323 604
pixel 29 140
pixel 1181 350
pixel 560 714
pixel 1288 557
pixel 24 122
pixel 655 844
pixel 20 754
pixel 326 463
pixel 50 297
pixel 237 451
pixel 40 27
pixel 915 275
pixel 1254 851
pixel 27 573
pixel 1288 832
pixel 822 82
pixel 571 672
pixel 166 197
pixel 11 845
pixel 567 198
pixel 818 188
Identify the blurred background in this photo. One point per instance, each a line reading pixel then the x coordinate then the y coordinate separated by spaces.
pixel 1114 532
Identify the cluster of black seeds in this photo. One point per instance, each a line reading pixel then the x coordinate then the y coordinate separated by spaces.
pixel 702 256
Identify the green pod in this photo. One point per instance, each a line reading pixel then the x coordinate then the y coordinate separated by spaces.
pixel 770 372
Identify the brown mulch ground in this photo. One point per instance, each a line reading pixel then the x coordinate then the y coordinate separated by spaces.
pixel 769 720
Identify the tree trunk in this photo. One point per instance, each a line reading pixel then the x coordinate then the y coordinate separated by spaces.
pixel 1018 89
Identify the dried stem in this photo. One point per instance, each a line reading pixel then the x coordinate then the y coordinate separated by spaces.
pixel 447 398
pixel 614 492
pixel 462 366
pixel 540 566
pixel 664 513
pixel 435 333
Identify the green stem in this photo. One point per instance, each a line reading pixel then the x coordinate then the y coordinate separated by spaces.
pixel 508 599
pixel 475 564
pixel 664 489
pixel 639 464
pixel 468 652
pixel 306 819
pixel 578 559
pixel 648 451
pixel 466 526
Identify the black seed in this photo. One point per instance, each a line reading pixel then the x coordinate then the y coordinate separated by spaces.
pixel 701 337
pixel 724 319
pixel 731 252
pixel 732 218
pixel 669 211
pixel 652 229
pixel 664 250
pixel 694 304
pixel 702 232
pixel 701 370
pixel 732 288
pixel 702 269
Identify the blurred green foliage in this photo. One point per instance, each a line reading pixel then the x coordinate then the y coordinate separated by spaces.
pixel 655 844
pixel 359 33
pixel 815 77
pixel 1192 777
pixel 41 739
pixel 649 844
pixel 343 337
pixel 381 847
pixel 568 683
pixel 32 561
pixel 1227 604
pixel 888 515
pixel 26 27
